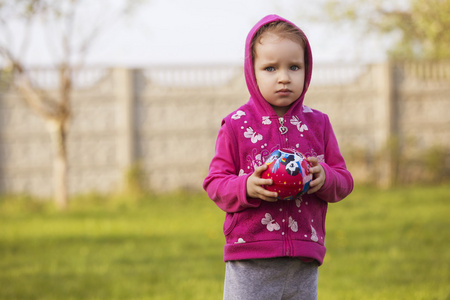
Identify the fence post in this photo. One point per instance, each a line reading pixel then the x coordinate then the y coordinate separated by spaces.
pixel 124 81
pixel 385 112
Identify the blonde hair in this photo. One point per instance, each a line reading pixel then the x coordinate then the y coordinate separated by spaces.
pixel 283 30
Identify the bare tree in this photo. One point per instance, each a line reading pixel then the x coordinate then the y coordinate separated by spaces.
pixel 69 37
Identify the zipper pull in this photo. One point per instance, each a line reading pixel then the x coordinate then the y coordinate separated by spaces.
pixel 283 129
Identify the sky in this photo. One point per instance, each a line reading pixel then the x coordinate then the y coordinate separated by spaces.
pixel 172 32
pixel 214 31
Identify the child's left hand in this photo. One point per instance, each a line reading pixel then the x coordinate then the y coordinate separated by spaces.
pixel 318 175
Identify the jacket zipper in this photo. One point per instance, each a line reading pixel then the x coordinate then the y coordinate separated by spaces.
pixel 283 129
pixel 287 245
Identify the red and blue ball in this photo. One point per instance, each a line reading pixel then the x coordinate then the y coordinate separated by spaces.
pixel 289 171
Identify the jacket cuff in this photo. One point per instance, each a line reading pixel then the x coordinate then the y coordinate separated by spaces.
pixel 244 200
pixel 324 191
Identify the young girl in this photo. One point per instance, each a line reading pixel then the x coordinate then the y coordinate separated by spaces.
pixel 274 247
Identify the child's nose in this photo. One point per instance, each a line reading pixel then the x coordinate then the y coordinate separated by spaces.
pixel 283 77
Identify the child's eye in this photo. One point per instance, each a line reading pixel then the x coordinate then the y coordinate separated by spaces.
pixel 270 69
pixel 295 68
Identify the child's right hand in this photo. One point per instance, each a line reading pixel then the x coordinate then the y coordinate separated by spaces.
pixel 255 185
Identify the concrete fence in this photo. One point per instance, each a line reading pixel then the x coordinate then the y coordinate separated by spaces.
pixel 392 121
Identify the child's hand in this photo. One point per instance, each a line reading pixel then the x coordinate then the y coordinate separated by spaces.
pixel 318 175
pixel 255 187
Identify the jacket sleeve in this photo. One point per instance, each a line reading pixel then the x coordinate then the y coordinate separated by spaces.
pixel 339 182
pixel 223 184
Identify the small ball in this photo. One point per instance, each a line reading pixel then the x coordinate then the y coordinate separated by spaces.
pixel 289 170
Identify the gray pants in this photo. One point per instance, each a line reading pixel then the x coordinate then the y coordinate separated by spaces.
pixel 274 278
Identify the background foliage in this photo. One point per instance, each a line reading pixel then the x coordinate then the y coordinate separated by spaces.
pixel 419 28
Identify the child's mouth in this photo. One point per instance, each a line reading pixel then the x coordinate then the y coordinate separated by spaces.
pixel 284 92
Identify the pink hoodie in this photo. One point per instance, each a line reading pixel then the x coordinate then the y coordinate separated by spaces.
pixel 258 229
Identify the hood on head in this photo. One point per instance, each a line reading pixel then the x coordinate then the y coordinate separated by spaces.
pixel 250 79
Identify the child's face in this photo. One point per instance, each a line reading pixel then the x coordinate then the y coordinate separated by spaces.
pixel 280 71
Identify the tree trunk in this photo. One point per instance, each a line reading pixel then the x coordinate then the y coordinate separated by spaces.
pixel 58 137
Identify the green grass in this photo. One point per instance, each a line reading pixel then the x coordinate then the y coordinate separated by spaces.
pixel 381 245
pixel 389 245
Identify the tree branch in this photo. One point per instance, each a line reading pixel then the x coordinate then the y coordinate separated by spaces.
pixel 43 105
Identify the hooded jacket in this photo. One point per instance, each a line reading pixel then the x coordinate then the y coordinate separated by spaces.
pixel 254 228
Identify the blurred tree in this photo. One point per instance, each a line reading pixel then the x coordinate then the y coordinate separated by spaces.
pixel 69 34
pixel 422 28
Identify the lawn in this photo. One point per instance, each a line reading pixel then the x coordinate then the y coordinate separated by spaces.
pixel 381 245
